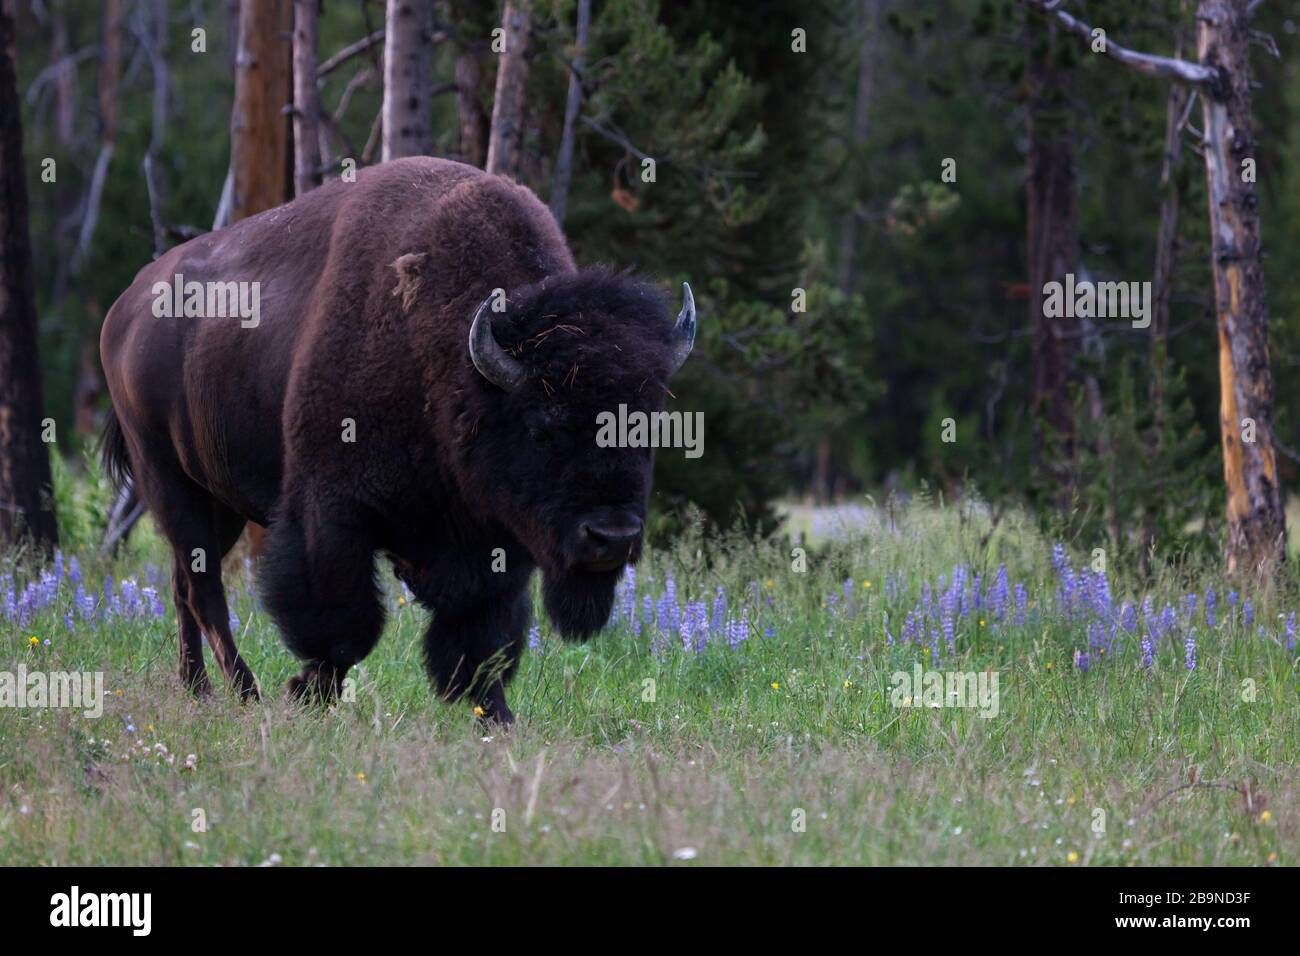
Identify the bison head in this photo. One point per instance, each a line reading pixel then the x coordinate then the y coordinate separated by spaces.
pixel 542 370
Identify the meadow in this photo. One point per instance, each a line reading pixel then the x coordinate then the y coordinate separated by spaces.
pixel 740 709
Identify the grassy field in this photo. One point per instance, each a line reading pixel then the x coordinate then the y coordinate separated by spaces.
pixel 767 734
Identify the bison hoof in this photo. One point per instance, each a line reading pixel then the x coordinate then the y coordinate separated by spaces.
pixel 197 684
pixel 315 685
pixel 492 719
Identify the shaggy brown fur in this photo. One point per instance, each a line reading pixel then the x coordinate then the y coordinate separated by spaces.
pixel 367 294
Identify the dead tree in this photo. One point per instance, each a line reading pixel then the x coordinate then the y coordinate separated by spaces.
pixel 306 98
pixel 509 107
pixel 408 79
pixel 564 160
pixel 1220 78
pixel 259 133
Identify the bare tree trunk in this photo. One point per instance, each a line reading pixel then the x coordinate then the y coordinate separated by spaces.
pixel 870 27
pixel 1256 520
pixel 306 98
pixel 259 131
pixel 1053 218
pixel 564 161
pixel 473 121
pixel 26 489
pixel 110 72
pixel 408 79
pixel 65 78
pixel 259 134
pixel 154 36
pixel 1166 252
pixel 509 107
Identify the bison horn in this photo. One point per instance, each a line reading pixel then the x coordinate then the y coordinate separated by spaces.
pixel 684 330
pixel 487 354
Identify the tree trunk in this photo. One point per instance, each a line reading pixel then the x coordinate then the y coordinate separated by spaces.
pixel 1053 219
pixel 1162 289
pixel 259 130
pixel 408 79
pixel 110 72
pixel 870 26
pixel 306 98
pixel 564 161
pixel 509 107
pixel 26 490
pixel 1256 520
pixel 473 121
pixel 65 78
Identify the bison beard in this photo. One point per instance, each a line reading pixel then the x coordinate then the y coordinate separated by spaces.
pixel 579 604
pixel 472 460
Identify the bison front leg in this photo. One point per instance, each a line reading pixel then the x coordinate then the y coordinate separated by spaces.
pixel 475 652
pixel 319 585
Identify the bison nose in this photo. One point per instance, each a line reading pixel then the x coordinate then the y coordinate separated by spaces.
pixel 605 547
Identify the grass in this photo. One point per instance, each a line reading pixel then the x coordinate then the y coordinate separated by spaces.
pixel 785 749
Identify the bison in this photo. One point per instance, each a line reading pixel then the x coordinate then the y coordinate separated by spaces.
pixel 418 379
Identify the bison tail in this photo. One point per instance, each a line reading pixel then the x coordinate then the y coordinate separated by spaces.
pixel 113 456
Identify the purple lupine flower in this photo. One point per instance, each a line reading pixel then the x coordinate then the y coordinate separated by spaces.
pixel 1148 652
pixel 534 637
pixel 1096 635
pixel 1232 599
pixel 1128 617
pixel 947 607
pixel 1083 660
pixel 1189 652
pixel 155 602
pixel 234 622
pixel 1189 607
pixel 1065 593
pixel 739 630
pixel 1060 563
pixel 934 646
pixel 58 564
pixel 998 594
pixel 1211 601
pixel 1100 594
pixel 1247 613
pixel 1167 620
pixel 1022 602
pixel 85 603
pixel 1290 632
pixel 1149 613
pixel 74 571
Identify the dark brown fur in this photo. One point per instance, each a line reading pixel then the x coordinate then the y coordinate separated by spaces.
pixel 367 294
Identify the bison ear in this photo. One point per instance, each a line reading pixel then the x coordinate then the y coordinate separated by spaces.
pixel 488 356
pixel 684 330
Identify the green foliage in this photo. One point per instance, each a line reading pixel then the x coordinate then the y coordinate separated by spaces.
pixel 1144 476
pixel 82 501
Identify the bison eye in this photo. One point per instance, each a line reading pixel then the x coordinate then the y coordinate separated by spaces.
pixel 539 435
